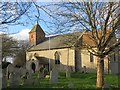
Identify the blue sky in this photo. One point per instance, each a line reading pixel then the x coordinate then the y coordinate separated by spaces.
pixel 21 32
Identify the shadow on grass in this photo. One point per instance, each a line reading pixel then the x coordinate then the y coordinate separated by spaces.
pixel 81 81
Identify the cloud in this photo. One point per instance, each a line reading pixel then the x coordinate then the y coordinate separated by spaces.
pixel 2 32
pixel 22 35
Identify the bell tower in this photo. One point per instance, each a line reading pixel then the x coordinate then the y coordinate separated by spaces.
pixel 36 35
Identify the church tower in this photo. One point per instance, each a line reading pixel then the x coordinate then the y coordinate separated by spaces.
pixel 36 35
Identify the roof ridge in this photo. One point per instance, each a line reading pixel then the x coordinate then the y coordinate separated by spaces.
pixel 34 29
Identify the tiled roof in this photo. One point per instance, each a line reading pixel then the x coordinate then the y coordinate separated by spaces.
pixel 59 41
pixel 89 40
pixel 67 40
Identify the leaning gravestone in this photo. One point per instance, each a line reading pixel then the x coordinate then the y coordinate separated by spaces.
pixel 54 75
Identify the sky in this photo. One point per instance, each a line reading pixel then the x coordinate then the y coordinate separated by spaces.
pixel 21 32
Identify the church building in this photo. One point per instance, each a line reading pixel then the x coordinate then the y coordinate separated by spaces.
pixel 64 51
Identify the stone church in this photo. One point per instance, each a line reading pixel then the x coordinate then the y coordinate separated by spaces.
pixel 63 51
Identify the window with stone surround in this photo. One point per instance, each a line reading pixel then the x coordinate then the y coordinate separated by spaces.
pixel 57 57
pixel 91 57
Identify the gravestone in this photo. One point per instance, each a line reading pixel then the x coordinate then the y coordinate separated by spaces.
pixel 54 75
pixel 45 71
pixel 67 74
pixel 15 78
pixel 28 80
pixel 41 73
pixel 10 68
pixel 106 87
pixel 35 81
pixel 14 75
pixel 4 78
pixel 12 79
pixel 71 85
pixel 85 69
pixel 22 71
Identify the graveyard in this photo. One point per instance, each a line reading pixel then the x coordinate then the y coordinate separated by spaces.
pixel 77 80
pixel 65 45
pixel 22 79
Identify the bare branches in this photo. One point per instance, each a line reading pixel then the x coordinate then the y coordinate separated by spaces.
pixel 11 12
pixel 100 18
pixel 7 44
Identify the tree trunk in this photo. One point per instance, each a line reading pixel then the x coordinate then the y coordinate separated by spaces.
pixel 100 72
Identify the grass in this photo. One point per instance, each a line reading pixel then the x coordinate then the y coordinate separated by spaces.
pixel 79 80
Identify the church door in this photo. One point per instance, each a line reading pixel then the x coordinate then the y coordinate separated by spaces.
pixel 33 67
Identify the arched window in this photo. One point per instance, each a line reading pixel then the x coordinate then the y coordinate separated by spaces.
pixel 57 57
pixel 91 57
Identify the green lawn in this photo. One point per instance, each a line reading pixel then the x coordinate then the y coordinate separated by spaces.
pixel 79 80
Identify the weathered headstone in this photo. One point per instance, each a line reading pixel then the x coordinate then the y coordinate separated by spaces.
pixel 106 87
pixel 4 78
pixel 67 74
pixel 14 75
pixel 54 76
pixel 29 79
pixel 12 79
pixel 41 73
pixel 10 68
pixel 45 71
pixel 71 85
pixel 36 81
pixel 23 71
pixel 84 69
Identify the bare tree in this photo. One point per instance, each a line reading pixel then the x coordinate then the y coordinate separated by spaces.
pixel 8 46
pixel 20 57
pixel 100 19
pixel 11 13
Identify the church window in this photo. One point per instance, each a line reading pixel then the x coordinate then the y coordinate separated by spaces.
pixel 57 57
pixel 91 57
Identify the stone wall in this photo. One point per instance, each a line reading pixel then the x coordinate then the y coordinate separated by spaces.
pixel 32 38
pixel 91 66
pixel 66 57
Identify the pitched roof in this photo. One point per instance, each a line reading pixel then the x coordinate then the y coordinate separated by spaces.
pixel 88 37
pixel 59 41
pixel 36 28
